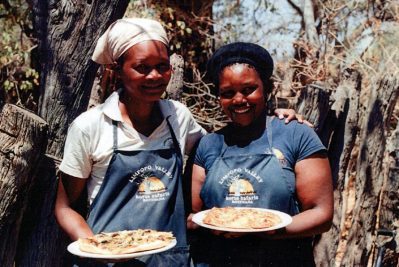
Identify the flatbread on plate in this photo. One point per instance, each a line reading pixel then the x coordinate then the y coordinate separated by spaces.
pixel 125 242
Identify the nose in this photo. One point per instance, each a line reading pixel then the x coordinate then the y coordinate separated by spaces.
pixel 154 74
pixel 239 98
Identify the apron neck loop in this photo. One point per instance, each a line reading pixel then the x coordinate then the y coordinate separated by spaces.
pixel 269 132
pixel 115 135
pixel 224 148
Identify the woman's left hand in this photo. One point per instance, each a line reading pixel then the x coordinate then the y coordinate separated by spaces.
pixel 190 224
pixel 289 115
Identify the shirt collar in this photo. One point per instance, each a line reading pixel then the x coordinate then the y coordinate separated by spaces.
pixel 111 107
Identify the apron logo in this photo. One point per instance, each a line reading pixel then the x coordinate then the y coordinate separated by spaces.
pixel 150 185
pixel 147 171
pixel 240 187
pixel 152 189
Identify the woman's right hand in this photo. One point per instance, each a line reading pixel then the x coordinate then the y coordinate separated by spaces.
pixel 290 115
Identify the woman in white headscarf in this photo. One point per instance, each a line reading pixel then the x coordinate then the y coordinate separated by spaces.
pixel 128 151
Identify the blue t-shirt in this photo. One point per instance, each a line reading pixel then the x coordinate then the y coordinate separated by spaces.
pixel 291 143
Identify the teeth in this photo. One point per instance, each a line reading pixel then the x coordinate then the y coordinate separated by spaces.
pixel 241 110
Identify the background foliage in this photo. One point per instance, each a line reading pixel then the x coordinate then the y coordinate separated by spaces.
pixel 19 79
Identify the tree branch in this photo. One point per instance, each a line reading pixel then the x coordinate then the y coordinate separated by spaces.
pixel 297 8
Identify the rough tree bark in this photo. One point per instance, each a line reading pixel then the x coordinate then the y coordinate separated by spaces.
pixel 358 144
pixel 313 103
pixel 175 87
pixel 22 141
pixel 339 130
pixel 67 34
pixel 370 170
pixel 388 216
pixel 357 151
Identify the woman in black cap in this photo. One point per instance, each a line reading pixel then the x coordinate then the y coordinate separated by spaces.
pixel 283 166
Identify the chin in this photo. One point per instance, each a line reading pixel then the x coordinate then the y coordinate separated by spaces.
pixel 151 99
pixel 242 122
pixel 152 96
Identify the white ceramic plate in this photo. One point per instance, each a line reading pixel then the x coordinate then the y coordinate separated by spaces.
pixel 285 220
pixel 74 249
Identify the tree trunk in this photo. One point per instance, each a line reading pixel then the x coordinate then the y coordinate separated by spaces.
pixel 340 128
pixel 371 169
pixel 388 215
pixel 22 141
pixel 67 35
pixel 357 152
pixel 175 86
pixel 313 103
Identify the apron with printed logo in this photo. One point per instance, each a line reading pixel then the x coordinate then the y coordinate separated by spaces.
pixel 250 180
pixel 142 189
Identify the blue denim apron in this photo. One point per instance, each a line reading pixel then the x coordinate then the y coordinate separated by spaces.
pixel 143 189
pixel 250 180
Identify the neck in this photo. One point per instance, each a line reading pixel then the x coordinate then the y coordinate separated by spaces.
pixel 242 135
pixel 143 116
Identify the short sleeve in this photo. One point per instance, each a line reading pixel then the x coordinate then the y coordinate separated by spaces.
pixel 209 148
pixel 194 134
pixel 199 154
pixel 307 142
pixel 77 160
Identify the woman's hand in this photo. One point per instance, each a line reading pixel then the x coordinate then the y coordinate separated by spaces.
pixel 289 115
pixel 190 224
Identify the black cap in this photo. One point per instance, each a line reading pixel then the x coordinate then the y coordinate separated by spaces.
pixel 240 52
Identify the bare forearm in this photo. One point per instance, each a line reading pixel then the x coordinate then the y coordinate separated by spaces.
pixel 73 223
pixel 305 224
pixel 69 191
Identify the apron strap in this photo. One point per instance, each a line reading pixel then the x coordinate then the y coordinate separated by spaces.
pixel 115 135
pixel 224 148
pixel 269 132
pixel 175 142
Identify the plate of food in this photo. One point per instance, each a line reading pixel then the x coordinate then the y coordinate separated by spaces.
pixel 242 219
pixel 123 244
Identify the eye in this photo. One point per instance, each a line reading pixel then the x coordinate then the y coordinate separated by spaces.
pixel 228 94
pixel 163 67
pixel 143 69
pixel 248 90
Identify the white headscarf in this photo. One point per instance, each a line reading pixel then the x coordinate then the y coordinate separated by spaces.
pixel 123 34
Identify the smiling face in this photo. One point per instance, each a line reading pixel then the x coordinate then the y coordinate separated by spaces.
pixel 241 93
pixel 145 71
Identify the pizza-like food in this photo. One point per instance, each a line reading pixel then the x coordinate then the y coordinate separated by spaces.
pixel 125 242
pixel 241 218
